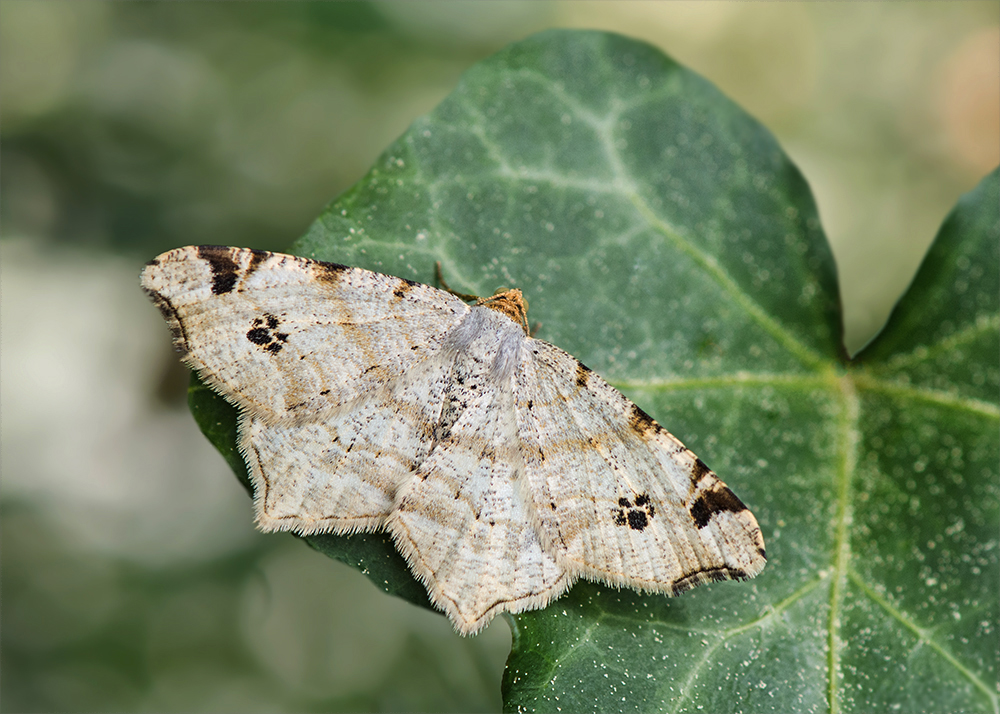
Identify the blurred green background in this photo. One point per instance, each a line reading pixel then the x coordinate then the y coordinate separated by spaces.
pixel 132 578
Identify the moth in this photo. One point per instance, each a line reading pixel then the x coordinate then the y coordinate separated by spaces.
pixel 503 468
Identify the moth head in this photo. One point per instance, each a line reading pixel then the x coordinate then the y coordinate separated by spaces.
pixel 510 303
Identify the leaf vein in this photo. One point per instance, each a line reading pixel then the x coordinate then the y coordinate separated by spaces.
pixel 705 261
pixel 921 353
pixel 924 638
pixel 723 381
pixel 848 438
pixel 933 396
pixel 769 614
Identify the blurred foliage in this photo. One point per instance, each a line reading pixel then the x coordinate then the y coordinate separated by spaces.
pixel 82 632
pixel 130 128
pixel 223 123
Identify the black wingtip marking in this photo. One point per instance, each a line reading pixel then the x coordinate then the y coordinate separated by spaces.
pixel 706 576
pixel 404 287
pixel 329 272
pixel 640 421
pixel 258 257
pixel 715 500
pixel 582 374
pixel 173 320
pixel 700 469
pixel 225 271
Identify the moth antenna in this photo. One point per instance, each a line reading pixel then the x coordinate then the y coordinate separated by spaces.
pixel 439 278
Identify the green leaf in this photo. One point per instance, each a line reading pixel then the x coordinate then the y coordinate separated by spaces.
pixel 663 237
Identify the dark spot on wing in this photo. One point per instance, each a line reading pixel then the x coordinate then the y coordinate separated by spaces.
pixel 636 516
pixel 640 421
pixel 264 333
pixel 637 520
pixel 716 500
pixel 582 374
pixel 552 506
pixel 225 271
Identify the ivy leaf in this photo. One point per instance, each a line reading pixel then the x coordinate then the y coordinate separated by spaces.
pixel 663 237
